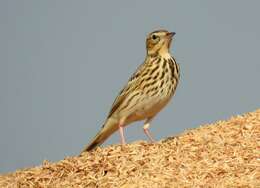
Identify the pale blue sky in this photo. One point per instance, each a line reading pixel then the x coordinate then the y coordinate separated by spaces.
pixel 62 63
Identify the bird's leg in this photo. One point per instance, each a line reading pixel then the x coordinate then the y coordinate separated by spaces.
pixel 121 131
pixel 146 130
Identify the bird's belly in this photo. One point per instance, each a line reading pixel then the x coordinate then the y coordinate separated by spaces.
pixel 148 109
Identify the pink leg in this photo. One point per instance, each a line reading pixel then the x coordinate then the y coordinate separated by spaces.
pixel 121 131
pixel 147 132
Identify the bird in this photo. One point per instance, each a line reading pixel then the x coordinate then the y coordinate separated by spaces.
pixel 147 91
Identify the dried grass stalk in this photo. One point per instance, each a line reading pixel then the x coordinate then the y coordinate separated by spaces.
pixel 223 154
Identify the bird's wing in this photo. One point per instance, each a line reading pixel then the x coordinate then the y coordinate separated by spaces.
pixel 131 85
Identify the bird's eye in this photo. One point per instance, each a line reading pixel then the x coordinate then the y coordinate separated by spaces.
pixel 154 37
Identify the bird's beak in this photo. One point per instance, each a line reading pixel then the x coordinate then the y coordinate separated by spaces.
pixel 170 34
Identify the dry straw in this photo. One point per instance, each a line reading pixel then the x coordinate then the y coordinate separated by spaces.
pixel 223 154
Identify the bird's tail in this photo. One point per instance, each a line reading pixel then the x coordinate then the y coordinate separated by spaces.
pixel 108 129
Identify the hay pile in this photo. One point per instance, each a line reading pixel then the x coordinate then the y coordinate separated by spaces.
pixel 224 154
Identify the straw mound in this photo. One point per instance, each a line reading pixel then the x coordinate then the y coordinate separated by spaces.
pixel 223 154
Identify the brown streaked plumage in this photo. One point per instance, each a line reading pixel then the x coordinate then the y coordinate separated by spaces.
pixel 148 90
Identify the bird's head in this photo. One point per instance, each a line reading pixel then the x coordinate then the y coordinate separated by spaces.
pixel 159 42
